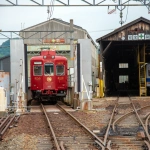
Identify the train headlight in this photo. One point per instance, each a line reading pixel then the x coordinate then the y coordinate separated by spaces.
pixel 53 57
pixel 44 57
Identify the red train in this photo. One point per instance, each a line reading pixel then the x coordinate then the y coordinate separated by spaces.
pixel 48 76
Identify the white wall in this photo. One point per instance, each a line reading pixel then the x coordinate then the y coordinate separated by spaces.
pixel 86 65
pixel 17 65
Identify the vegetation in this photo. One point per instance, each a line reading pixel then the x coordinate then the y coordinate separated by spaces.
pixel 5 49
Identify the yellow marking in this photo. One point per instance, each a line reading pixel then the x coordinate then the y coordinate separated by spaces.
pixel 49 79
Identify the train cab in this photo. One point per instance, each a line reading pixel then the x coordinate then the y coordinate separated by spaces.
pixel 48 76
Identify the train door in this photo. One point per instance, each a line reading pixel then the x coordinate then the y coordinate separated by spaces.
pixel 49 78
pixel 36 76
pixel 61 77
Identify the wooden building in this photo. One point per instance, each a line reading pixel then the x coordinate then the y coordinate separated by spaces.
pixel 125 58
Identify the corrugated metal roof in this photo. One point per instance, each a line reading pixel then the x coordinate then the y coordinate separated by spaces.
pixel 54 19
pixel 124 27
pixel 63 22
pixel 59 21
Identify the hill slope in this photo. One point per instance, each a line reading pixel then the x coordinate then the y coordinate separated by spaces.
pixel 5 49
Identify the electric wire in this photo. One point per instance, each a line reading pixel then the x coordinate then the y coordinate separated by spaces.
pixel 127 13
pixel 50 9
pixel 101 30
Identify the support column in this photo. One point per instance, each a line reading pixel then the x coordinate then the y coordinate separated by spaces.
pixel 71 58
pixel 101 85
pixel 142 71
pixel 26 74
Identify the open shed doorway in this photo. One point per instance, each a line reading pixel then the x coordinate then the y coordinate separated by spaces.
pixel 121 67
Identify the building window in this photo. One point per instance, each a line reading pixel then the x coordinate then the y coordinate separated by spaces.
pixel 123 78
pixel 123 65
pixel 59 70
pixel 37 70
pixel 49 69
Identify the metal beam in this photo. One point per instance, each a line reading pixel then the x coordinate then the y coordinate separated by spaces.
pixel 62 3
pixel 35 2
pixel 9 34
pixel 24 31
pixel 106 49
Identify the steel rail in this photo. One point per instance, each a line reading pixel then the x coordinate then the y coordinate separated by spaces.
pixel 148 145
pixel 146 123
pixel 16 120
pixel 62 145
pixel 147 134
pixel 7 126
pixel 129 113
pixel 139 119
pixel 4 123
pixel 101 143
pixel 1 119
pixel 110 122
pixel 51 129
pixel 147 115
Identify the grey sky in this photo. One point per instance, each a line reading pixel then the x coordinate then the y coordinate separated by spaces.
pixel 95 20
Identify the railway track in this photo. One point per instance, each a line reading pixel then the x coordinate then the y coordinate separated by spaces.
pixel 127 131
pixel 70 134
pixel 6 122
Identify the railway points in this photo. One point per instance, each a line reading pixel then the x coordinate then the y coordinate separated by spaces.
pixel 128 132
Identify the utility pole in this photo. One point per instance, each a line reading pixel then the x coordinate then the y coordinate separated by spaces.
pixel 71 61
pixel 71 44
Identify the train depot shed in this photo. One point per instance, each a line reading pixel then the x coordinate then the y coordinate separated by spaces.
pixel 63 37
pixel 125 59
pixel 58 35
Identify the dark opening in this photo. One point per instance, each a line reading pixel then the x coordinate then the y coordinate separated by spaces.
pixel 122 69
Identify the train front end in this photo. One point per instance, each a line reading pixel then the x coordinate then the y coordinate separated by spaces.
pixel 48 76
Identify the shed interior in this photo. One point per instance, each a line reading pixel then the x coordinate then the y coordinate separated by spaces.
pixel 123 64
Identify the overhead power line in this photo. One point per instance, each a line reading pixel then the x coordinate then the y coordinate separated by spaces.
pixel 101 30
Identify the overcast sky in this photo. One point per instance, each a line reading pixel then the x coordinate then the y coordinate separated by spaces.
pixel 95 20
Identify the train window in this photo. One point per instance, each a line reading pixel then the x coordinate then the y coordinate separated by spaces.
pixel 37 70
pixel 49 69
pixel 59 70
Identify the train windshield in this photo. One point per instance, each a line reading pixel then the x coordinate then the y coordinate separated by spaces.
pixel 59 70
pixel 37 70
pixel 49 69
